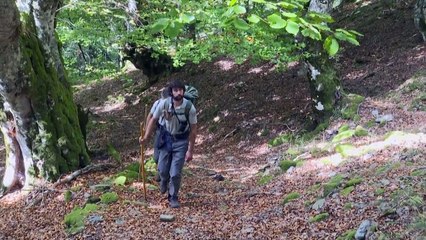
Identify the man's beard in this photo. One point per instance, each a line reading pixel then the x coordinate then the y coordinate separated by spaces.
pixel 178 97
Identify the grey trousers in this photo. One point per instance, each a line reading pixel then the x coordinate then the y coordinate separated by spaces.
pixel 170 166
pixel 156 150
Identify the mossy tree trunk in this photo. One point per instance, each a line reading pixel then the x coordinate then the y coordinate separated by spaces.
pixel 324 82
pixel 39 119
pixel 324 85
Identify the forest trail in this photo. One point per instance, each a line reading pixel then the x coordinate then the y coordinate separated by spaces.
pixel 234 188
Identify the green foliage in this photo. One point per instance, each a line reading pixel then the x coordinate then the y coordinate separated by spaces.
pixel 262 31
pixel 74 221
pixel 120 181
pixel 90 45
pixel 290 197
pixel 134 167
pixel 318 218
pixel 129 175
pixel 109 197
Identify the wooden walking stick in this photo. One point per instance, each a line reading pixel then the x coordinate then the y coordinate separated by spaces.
pixel 142 162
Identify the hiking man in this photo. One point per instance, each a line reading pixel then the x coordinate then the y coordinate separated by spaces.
pixel 164 95
pixel 176 139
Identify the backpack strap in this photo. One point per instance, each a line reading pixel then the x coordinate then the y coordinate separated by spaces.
pixel 188 107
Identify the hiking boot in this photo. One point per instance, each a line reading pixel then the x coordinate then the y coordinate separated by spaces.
pixel 163 188
pixel 174 203
pixel 157 178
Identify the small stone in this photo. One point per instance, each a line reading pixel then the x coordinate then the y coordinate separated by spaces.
pixel 180 231
pixel 384 118
pixel 385 182
pixel 101 187
pixel 167 218
pixel 318 204
pixel 362 230
pixel 119 221
pixel 290 169
pixel 94 219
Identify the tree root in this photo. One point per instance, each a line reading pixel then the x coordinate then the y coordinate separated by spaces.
pixel 89 168
pixel 37 195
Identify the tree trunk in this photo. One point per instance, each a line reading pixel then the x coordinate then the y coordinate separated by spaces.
pixel 39 119
pixel 324 83
pixel 324 86
pixel 420 17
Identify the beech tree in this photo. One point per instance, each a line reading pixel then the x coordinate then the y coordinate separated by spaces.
pixel 39 119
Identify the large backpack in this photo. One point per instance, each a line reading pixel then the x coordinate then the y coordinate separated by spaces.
pixel 191 93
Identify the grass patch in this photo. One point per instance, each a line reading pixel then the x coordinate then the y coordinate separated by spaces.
pixel 360 131
pixel 419 103
pixel 353 182
pixel 379 192
pixel 265 179
pixel 109 197
pixel 318 218
pixel 317 152
pixel 290 197
pixel 351 103
pixel 343 135
pixel 332 184
pixel 67 196
pixel 292 152
pixel 418 226
pixel 284 138
pixel 74 221
pixel 370 124
pixel 348 206
pixel 383 169
pixel 346 150
pixel 418 173
pixel 286 164
pixel 346 191
pixel 348 235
